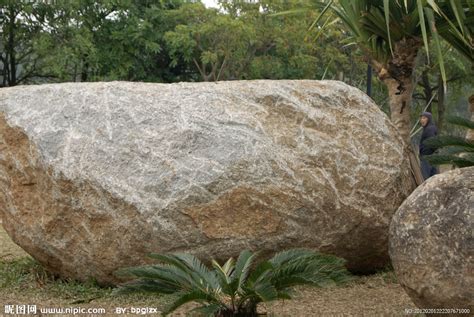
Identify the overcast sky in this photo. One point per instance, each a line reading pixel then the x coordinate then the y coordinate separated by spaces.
pixel 210 3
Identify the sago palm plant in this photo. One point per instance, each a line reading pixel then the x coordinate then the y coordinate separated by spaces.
pixel 237 287
pixel 453 150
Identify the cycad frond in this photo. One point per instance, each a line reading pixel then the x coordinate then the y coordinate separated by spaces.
pixel 266 292
pixel 452 149
pixel 459 161
pixel 242 268
pixel 223 274
pixel 284 256
pixel 261 271
pixel 186 297
pixel 461 122
pixel 448 140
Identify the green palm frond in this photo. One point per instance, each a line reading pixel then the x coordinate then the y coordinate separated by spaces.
pixel 452 149
pixel 187 297
pixel 459 161
pixel 448 140
pixel 311 268
pixel 266 292
pixel 261 271
pixel 377 25
pixel 461 122
pixel 223 274
pixel 288 255
pixel 456 25
pixel 242 269
pixel 198 274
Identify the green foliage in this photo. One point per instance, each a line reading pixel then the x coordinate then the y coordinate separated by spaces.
pixel 457 25
pixel 208 40
pixel 22 24
pixel 15 273
pixel 378 26
pixel 236 287
pixel 453 150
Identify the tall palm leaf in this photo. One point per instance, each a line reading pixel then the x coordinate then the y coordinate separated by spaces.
pixel 455 24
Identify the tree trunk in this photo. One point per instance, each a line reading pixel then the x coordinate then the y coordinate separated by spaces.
pixel 441 106
pixel 85 71
pixel 400 95
pixel 397 75
pixel 400 103
pixel 10 49
pixel 369 80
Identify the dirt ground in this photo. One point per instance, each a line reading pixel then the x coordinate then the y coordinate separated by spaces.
pixel 375 295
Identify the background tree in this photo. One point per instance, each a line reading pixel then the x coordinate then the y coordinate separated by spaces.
pixel 210 41
pixel 21 23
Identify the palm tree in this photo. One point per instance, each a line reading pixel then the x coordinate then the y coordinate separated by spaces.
pixel 237 287
pixel 392 33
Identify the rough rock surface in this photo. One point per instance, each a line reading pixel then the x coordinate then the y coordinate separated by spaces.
pixel 432 242
pixel 94 176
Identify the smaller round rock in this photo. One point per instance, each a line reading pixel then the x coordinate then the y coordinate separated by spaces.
pixel 431 242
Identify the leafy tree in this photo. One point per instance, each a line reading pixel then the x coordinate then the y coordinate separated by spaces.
pixel 110 40
pixel 210 40
pixel 453 150
pixel 21 23
pixel 237 287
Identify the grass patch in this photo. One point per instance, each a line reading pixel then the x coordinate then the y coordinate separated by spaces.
pixel 19 272
pixel 27 277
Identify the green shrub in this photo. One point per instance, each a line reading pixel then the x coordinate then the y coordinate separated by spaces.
pixel 237 287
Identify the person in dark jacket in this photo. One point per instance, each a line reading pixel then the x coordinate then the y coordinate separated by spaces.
pixel 429 131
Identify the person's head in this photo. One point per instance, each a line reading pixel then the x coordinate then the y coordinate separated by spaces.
pixel 425 119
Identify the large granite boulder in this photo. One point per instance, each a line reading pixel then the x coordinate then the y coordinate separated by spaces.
pixel 432 242
pixel 94 176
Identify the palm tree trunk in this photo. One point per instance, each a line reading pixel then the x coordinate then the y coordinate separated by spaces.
pixel 397 75
pixel 400 94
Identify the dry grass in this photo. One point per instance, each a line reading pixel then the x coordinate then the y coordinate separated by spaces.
pixel 23 281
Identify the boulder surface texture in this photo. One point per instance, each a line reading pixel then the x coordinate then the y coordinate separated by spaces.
pixel 94 176
pixel 432 242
